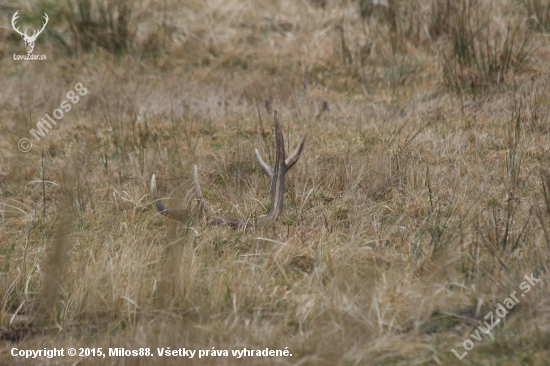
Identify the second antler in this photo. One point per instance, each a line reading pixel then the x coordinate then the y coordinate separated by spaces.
pixel 276 175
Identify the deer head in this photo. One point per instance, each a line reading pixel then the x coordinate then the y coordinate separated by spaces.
pixel 29 40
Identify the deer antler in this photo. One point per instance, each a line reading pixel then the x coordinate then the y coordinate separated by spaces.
pixel 13 19
pixel 177 215
pixel 277 176
pixel 292 159
pixel 43 26
pixel 35 33
pixel 282 166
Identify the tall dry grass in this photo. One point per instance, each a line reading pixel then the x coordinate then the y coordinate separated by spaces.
pixel 416 207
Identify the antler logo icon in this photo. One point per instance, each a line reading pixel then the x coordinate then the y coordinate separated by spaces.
pixel 29 40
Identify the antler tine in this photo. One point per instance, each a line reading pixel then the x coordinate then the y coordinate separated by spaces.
pixel 265 168
pixel 198 191
pixel 292 159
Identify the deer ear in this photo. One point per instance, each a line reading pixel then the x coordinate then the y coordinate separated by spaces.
pixel 23 36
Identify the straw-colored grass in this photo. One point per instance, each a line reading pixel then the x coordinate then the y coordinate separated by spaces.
pixel 421 200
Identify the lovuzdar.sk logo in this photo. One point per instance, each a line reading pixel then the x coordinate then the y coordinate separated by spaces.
pixel 29 40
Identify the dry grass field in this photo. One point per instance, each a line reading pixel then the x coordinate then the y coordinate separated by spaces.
pixel 420 203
